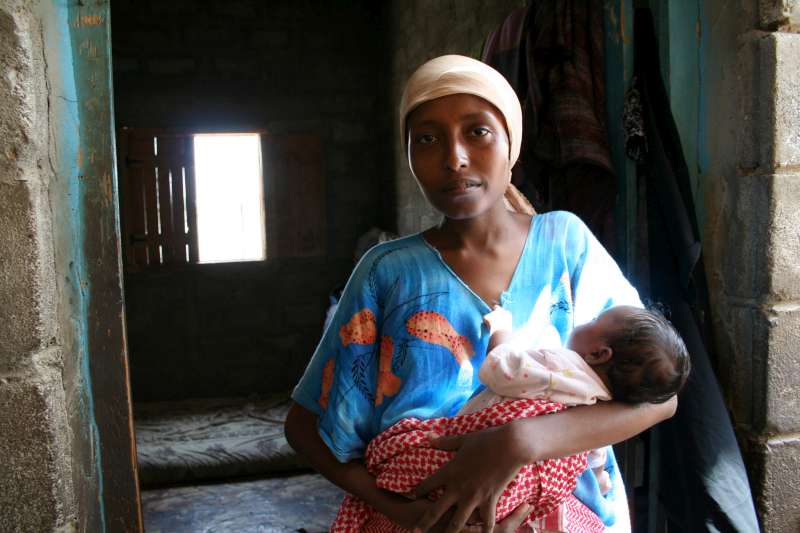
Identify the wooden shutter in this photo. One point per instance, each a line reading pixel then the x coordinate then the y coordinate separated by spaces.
pixel 158 207
pixel 292 166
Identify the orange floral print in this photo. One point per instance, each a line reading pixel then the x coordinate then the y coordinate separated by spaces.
pixel 361 329
pixel 433 327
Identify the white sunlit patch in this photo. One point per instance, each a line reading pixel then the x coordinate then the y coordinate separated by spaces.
pixel 229 197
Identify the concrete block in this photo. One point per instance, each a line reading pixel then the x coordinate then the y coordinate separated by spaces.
pixel 780 90
pixel 744 234
pixel 18 92
pixel 27 284
pixel 782 380
pixel 764 367
pixel 735 327
pixel 757 238
pixel 737 143
pixel 780 15
pixel 776 479
pixel 36 491
pixel 783 248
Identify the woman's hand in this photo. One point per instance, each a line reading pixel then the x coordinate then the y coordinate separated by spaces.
pixel 488 460
pixel 512 522
pixel 509 524
pixel 474 479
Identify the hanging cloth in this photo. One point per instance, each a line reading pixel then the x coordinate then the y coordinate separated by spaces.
pixel 703 484
pixel 552 55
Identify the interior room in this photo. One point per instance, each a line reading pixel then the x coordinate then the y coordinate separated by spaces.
pixel 188 185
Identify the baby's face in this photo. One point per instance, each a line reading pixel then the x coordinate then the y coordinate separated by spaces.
pixel 589 337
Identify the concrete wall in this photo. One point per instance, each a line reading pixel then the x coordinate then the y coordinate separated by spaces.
pixel 422 30
pixel 59 278
pixel 286 67
pixel 753 240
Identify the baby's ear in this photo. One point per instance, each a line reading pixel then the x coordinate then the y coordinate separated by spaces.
pixel 602 354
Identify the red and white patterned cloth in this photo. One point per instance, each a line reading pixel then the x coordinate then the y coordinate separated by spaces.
pixel 401 457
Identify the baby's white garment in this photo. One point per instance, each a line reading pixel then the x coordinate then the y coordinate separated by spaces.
pixel 558 374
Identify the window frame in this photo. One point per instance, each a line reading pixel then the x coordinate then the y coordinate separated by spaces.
pixel 139 246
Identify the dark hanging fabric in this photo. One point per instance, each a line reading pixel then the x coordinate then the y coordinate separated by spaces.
pixel 552 54
pixel 703 484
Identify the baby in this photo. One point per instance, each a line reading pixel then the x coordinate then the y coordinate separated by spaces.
pixel 626 353
pixel 629 354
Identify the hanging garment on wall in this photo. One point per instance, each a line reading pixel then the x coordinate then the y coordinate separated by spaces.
pixel 552 54
pixel 703 484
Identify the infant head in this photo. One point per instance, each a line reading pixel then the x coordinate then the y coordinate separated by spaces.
pixel 640 355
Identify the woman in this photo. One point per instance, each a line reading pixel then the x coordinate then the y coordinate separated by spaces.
pixel 409 331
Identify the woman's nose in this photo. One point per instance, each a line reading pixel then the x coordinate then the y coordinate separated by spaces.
pixel 456 157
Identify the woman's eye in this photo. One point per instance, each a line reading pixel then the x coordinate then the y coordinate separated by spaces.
pixel 426 139
pixel 481 131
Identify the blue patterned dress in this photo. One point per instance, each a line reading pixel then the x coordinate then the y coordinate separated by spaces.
pixel 408 336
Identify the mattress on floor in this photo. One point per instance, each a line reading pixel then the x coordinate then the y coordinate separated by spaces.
pixel 198 440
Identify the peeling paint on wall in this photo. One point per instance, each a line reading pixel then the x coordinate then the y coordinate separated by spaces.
pixel 86 240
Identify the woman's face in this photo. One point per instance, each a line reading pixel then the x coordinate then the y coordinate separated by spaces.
pixel 458 150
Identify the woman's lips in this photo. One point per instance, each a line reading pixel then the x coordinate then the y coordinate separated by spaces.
pixel 463 186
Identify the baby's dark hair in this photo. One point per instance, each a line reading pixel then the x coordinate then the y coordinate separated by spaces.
pixel 650 362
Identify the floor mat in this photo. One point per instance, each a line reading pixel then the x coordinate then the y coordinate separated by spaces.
pixel 305 502
pixel 197 440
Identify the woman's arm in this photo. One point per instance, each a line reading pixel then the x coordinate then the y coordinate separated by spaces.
pixel 487 461
pixel 584 428
pixel 353 477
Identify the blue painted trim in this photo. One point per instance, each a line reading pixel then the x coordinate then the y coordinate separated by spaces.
pixel 71 167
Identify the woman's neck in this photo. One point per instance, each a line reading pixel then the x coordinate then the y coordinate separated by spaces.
pixel 488 230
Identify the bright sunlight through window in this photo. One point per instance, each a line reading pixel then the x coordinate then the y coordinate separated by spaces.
pixel 230 197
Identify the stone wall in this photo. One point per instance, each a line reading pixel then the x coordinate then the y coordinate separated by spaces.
pixel 36 487
pixel 422 30
pixel 753 241
pixel 54 437
pixel 284 67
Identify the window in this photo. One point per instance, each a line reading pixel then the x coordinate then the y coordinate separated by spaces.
pixel 188 197
pixel 191 198
pixel 229 197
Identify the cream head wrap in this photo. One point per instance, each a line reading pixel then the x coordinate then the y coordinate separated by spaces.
pixel 453 74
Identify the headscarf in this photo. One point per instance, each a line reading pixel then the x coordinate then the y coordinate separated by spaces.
pixel 454 74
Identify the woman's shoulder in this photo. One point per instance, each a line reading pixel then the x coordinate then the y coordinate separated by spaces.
pixel 401 247
pixel 562 229
pixel 559 218
pixel 395 255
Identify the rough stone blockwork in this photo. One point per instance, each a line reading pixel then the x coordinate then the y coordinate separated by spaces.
pixel 777 464
pixel 26 277
pixel 780 62
pixel 783 15
pixel 755 245
pixel 36 487
pixel 35 470
pixel 780 299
